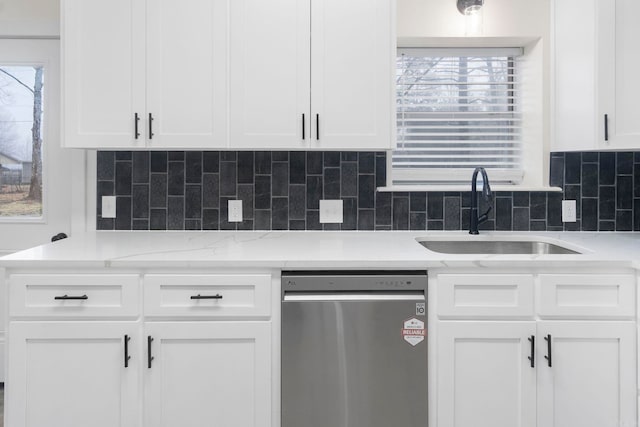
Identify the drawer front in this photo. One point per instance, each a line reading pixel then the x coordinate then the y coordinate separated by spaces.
pixel 208 295
pixel 74 296
pixel 490 296
pixel 591 296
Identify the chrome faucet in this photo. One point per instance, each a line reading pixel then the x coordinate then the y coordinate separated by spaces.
pixel 474 219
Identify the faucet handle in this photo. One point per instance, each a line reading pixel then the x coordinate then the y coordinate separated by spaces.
pixel 485 216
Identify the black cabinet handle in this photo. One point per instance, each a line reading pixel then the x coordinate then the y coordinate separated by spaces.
pixel 548 356
pixel 127 338
pixel 606 127
pixel 150 126
pixel 216 296
pixel 137 121
pixel 67 297
pixel 303 128
pixel 532 360
pixel 149 356
pixel 317 127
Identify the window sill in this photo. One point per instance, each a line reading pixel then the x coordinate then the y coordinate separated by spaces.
pixel 463 187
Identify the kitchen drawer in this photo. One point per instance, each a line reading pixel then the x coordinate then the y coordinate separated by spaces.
pixel 207 295
pixel 487 296
pixel 74 296
pixel 593 296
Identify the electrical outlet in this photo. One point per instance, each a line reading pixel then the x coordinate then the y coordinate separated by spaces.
pixel 235 211
pixel 108 206
pixel 568 211
pixel 331 211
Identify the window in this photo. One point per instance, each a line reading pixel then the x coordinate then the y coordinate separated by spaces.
pixel 21 118
pixel 62 204
pixel 457 109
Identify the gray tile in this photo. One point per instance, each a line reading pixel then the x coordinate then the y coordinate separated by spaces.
pixel 193 167
pixel 297 201
pixel 158 190
pixel 211 190
pixel 140 200
pixel 106 165
pixel 141 167
pixel 176 179
pixel 175 213
pixel 228 178
pixel 452 219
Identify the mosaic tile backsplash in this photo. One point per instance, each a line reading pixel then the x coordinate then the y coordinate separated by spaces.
pixel 190 190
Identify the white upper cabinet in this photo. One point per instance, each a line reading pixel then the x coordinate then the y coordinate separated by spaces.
pixel 145 74
pixel 595 75
pixel 352 76
pixel 314 75
pixel 186 72
pixel 243 74
pixel 103 72
pixel 270 73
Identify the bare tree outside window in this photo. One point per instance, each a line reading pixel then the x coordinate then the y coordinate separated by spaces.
pixel 21 114
pixel 455 112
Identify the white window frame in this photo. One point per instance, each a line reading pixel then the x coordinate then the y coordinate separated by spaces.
pixel 63 171
pixel 535 132
pixel 450 175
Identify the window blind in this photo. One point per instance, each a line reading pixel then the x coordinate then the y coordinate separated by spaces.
pixel 457 109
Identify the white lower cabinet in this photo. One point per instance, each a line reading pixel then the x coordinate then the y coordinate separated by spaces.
pixel 83 351
pixel 486 379
pixel 592 378
pixel 501 363
pixel 208 373
pixel 72 374
pixel 484 376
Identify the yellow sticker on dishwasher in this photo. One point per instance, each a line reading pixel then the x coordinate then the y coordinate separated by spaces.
pixel 414 331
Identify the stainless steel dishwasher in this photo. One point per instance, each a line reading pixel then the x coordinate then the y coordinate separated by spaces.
pixel 354 349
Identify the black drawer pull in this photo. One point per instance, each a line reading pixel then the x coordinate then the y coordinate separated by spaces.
pixel 151 119
pixel 606 127
pixel 548 356
pixel 317 127
pixel 532 360
pixel 149 356
pixel 137 121
pixel 303 129
pixel 216 296
pixel 127 338
pixel 67 297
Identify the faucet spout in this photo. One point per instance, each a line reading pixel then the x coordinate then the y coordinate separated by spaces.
pixel 475 219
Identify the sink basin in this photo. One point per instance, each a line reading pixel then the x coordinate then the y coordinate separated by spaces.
pixel 495 247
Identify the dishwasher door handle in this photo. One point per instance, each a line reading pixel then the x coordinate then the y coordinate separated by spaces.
pixel 354 296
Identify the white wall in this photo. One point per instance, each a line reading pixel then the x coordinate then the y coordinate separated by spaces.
pixel 501 18
pixel 29 18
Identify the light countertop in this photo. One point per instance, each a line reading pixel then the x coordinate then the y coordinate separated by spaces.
pixel 313 250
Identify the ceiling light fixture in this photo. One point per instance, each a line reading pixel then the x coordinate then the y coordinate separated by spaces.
pixel 469 7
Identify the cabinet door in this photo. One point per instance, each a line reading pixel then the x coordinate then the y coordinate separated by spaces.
pixel 592 378
pixel 575 75
pixel 484 376
pixel 619 63
pixel 595 82
pixel 72 374
pixel 103 72
pixel 269 74
pixel 209 374
pixel 353 59
pixel 187 73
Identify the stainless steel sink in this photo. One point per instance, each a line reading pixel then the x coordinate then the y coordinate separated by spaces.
pixel 495 247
